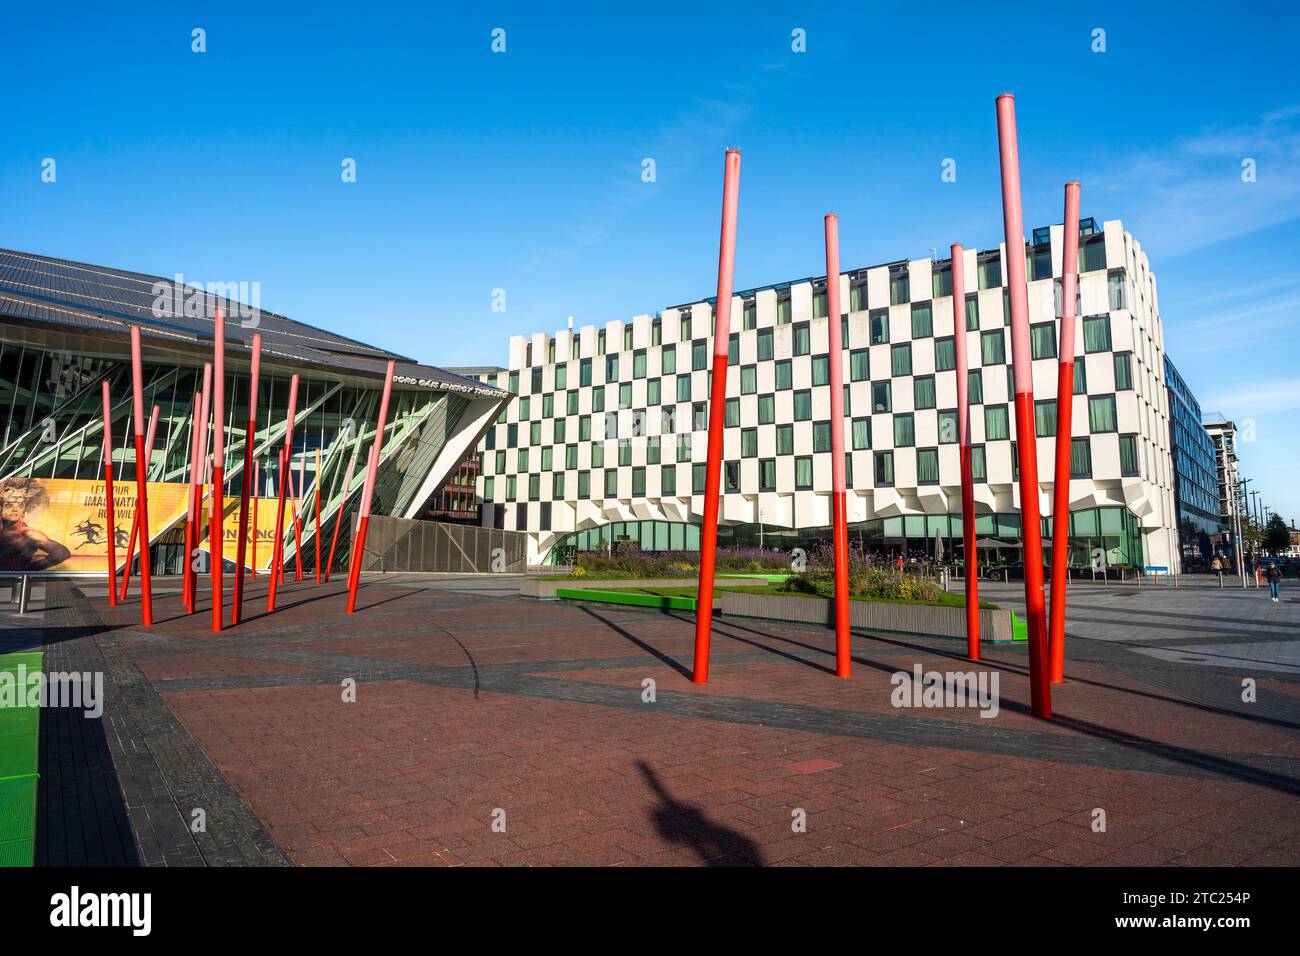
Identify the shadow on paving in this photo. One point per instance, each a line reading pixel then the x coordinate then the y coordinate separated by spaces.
pixel 683 823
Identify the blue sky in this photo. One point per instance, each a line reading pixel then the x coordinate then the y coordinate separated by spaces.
pixel 522 170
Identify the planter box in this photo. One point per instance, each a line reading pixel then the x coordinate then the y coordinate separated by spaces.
pixel 541 588
pixel 995 626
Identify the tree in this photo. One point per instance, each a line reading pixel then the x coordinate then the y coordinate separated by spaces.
pixel 1277 537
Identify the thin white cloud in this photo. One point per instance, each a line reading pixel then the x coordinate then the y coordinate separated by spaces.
pixel 1256 398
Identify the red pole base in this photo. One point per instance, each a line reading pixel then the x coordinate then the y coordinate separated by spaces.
pixel 1035 606
pixel 354 574
pixel 142 517
pixel 1060 522
pixel 112 531
pixel 839 511
pixel 216 543
pixel 130 556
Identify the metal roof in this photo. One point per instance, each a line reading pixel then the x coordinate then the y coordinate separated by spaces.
pixel 67 294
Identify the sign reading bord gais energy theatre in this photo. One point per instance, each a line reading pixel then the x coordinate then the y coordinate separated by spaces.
pixel 60 525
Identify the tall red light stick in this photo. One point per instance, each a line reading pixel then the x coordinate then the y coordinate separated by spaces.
pixel 217 524
pixel 277 547
pixel 298 517
pixel 338 515
pixel 257 485
pixel 717 403
pixel 365 483
pixel 186 556
pixel 1064 414
pixel 246 481
pixel 135 524
pixel 108 495
pixel 200 478
pixel 367 494
pixel 839 503
pixel 1023 372
pixel 141 483
pixel 316 488
pixel 970 554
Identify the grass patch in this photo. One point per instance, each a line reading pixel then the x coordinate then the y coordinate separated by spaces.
pixel 946 598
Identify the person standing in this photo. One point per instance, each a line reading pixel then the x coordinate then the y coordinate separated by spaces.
pixel 1217 567
pixel 1274 576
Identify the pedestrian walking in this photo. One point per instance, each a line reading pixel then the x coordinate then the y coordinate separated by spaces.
pixel 1274 576
pixel 1217 567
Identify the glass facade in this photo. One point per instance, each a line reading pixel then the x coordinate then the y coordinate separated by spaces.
pixel 1196 483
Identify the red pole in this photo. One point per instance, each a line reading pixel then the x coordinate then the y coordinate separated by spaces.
pixel 1022 370
pixel 1064 410
pixel 217 524
pixel 257 479
pixel 277 547
pixel 189 508
pixel 246 482
pixel 839 503
pixel 108 495
pixel 200 478
pixel 338 515
pixel 717 404
pixel 135 525
pixel 298 518
pixel 316 486
pixel 971 555
pixel 372 473
pixel 141 478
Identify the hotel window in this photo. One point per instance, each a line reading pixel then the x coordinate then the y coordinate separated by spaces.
pixel 927 466
pixel 1128 456
pixel 1015 463
pixel 1115 290
pixel 700 354
pixel 490 439
pixel 698 477
pixel 922 321
pixel 858 295
pixel 501 463
pixel 598 399
pixel 1080 458
pixel 584 372
pixel 900 287
pixel 1045 418
pixel 584 485
pixel 653 450
pixel 611 483
pixel 488 489
pixel 884 467
pixel 784 374
pixel 802 339
pixel 861 433
pixel 535 381
pixel 683 388
pixel 1101 414
pixel 1006 307
pixel 945 354
pixel 948 427
pixel 571 457
pixel 535 433
pixel 638 363
pixel 803 473
pixel 821 370
pixel 534 487
pixel 989 272
pixel 859 365
pixel 638 482
pixel 683 447
pixel 1039 261
pixel 598 455
pixel 656 332
pixel 584 428
pixel 732 413
pixel 766 409
pixel 972 312
pixel 748 379
pixel 510 488
pixel 819 304
pixel 1042 340
pixel 992 348
pixel 576 350
pixel 923 391
pixel 767 474
pixel 600 342
pixel 1123 371
pixel 522 460
pixel 941 281
pixel 879 327
pixel 1092 254
pixel 783 308
pixel 548 406
pixel 557 486
pixel 785 439
pixel 669 359
pixel 848 400
pixel 765 345
pixel 1096 333
pixel 900 359
pixel 514 383
pixel 525 408
pixel 996 425
pixel 1080 378
pixel 652 392
pixel 749 443
pixel 803 405
pixel 625 395
pixel 668 480
pixel 821 436
pixel 904 430
pixel 561 377
pixel 881 397
pixel 749 313
pixel 978 463
pixel 627 338
pixel 512 435
pixel 700 416
pixel 975 386
pixel 611 368
pixel 733 349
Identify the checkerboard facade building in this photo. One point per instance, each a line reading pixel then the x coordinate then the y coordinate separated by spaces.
pixel 605 439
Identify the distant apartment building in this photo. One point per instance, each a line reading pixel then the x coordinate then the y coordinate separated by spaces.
pixel 605 440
